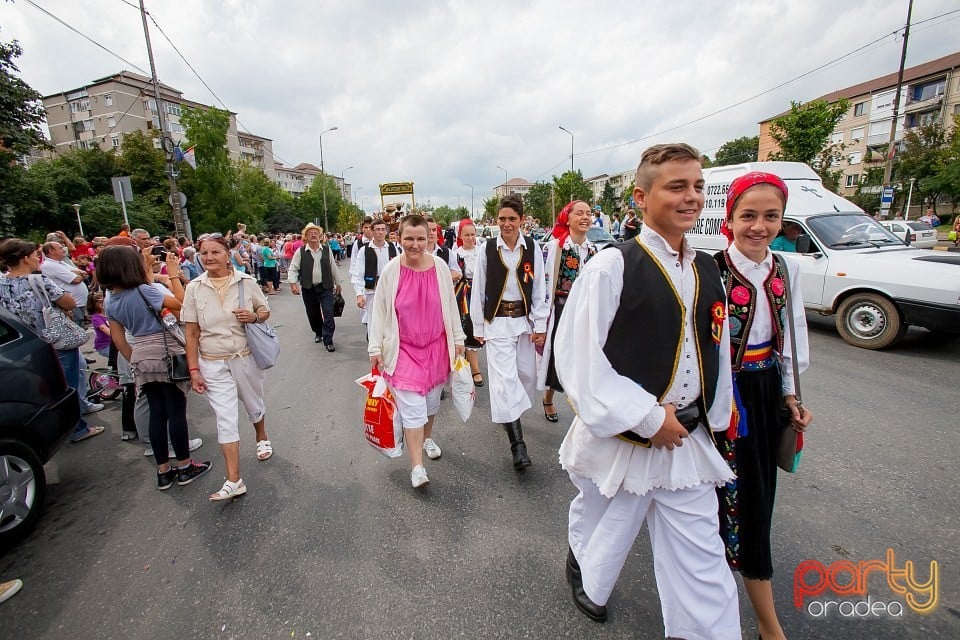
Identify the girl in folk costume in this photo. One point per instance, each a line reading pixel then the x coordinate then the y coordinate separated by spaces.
pixel 761 356
pixel 566 254
pixel 466 256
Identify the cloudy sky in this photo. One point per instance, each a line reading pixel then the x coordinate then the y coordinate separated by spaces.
pixel 442 92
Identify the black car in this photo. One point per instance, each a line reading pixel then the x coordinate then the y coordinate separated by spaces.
pixel 37 413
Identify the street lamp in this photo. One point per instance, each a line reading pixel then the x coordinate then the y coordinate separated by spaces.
pixel 326 221
pixel 471 199
pixel 504 179
pixel 571 160
pixel 906 214
pixel 76 207
pixel 343 182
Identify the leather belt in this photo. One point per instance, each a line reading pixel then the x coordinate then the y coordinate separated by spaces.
pixel 689 417
pixel 510 309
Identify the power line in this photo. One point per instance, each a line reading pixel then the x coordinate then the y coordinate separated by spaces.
pixel 762 93
pixel 85 36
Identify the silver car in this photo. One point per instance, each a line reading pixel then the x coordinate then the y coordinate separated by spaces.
pixel 921 235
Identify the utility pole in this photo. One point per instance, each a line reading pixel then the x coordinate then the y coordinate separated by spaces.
pixel 888 169
pixel 471 199
pixel 180 221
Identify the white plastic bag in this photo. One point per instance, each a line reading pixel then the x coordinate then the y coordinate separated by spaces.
pixel 462 388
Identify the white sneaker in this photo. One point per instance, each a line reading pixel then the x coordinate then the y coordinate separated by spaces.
pixel 418 477
pixel 195 443
pixel 433 451
pixel 92 407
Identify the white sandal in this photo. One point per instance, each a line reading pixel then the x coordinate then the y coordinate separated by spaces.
pixel 229 490
pixel 264 450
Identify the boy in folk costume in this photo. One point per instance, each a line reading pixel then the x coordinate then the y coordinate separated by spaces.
pixel 509 311
pixel 368 265
pixel 649 381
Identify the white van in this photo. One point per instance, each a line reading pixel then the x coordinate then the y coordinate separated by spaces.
pixel 850 266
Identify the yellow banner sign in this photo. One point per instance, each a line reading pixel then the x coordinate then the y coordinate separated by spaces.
pixel 396 188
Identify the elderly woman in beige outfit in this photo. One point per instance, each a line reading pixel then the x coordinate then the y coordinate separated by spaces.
pixel 221 366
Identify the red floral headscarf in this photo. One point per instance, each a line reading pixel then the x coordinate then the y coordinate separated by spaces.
pixel 741 184
pixel 561 228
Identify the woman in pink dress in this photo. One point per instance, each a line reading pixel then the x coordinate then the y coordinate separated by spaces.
pixel 415 336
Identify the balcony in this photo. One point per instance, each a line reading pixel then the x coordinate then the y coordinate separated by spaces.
pixel 918 106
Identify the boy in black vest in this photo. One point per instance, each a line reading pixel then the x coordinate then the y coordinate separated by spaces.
pixel 509 311
pixel 313 274
pixel 643 354
pixel 369 263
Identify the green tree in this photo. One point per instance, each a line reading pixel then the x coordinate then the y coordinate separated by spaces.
pixel 102 215
pixel 920 158
pixel 540 201
pixel 349 218
pixel 803 135
pixel 627 196
pixel 146 166
pixel 21 126
pixel 740 150
pixel 21 107
pixel 213 206
pixel 947 177
pixel 490 207
pixel 608 199
pixel 310 203
pixel 571 186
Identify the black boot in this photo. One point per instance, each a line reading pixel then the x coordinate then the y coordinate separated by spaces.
pixel 517 446
pixel 589 608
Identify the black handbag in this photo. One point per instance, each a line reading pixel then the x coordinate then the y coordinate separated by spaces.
pixel 338 305
pixel 177 368
pixel 791 442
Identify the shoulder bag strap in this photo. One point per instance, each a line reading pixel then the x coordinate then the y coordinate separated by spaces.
pixel 36 283
pixel 156 314
pixel 793 332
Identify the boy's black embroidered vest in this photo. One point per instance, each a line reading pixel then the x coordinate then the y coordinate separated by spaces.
pixel 306 268
pixel 646 338
pixel 370 274
pixel 742 304
pixel 444 254
pixel 496 282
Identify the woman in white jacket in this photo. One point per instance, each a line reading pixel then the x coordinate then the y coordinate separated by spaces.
pixel 567 252
pixel 415 336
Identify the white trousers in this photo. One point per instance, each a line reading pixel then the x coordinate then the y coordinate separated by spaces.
pixel 416 408
pixel 230 382
pixel 698 595
pixel 512 376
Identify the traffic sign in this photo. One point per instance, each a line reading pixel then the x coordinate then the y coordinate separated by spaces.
pixel 887 195
pixel 183 199
pixel 122 190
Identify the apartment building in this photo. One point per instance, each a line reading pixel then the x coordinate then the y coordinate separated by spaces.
pixel 296 180
pixel 513 185
pixel 930 95
pixel 619 181
pixel 101 112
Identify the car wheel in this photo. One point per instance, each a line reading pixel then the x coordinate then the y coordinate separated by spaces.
pixel 23 486
pixel 869 321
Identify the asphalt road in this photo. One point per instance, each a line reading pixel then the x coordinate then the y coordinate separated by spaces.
pixel 332 542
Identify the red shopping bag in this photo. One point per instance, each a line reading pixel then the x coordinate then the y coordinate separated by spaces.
pixel 381 420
